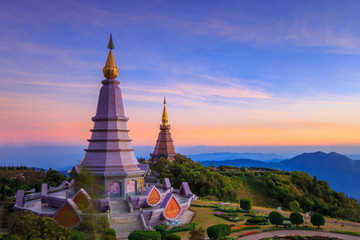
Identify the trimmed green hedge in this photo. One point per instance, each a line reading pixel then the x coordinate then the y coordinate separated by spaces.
pixel 346 232
pixel 208 206
pixel 290 228
pixel 245 228
pixel 172 236
pixel 246 204
pixel 162 230
pixel 218 231
pixel 144 235
pixel 229 210
pixel 257 220
pixel 182 228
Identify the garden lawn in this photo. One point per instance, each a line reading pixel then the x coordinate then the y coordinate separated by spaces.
pixel 205 218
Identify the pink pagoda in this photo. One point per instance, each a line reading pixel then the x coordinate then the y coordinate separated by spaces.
pixel 109 156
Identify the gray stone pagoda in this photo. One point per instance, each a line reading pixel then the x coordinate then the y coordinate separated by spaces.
pixel 109 156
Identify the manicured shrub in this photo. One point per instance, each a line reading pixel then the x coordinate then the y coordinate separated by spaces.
pixel 246 204
pixel 162 230
pixel 317 220
pixel 144 235
pixel 296 218
pixel 109 234
pixel 173 236
pixel 76 235
pixel 276 218
pixel 110 231
pixel 218 231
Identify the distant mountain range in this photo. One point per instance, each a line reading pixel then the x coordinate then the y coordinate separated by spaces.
pixel 353 156
pixel 221 156
pixel 341 172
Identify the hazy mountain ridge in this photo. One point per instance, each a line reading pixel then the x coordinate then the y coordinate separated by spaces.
pixel 221 156
pixel 353 156
pixel 341 172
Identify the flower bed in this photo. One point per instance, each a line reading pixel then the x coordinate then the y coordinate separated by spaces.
pixel 300 237
pixel 232 217
pixel 233 230
pixel 242 226
pixel 248 233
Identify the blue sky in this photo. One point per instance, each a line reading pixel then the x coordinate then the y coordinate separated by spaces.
pixel 234 72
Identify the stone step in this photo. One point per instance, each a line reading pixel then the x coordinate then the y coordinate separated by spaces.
pixel 125 225
pixel 119 206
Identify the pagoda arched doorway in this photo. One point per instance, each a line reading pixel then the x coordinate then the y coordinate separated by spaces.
pixel 131 187
pixel 114 189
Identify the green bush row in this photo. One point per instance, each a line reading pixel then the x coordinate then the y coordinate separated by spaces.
pixel 206 206
pixel 262 223
pixel 346 232
pixel 290 228
pixel 229 210
pixel 245 228
pixel 257 220
pixel 218 231
pixel 144 235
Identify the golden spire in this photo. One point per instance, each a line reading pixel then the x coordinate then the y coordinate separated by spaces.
pixel 110 70
pixel 164 115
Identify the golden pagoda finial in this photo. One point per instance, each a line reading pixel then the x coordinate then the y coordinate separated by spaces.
pixel 110 44
pixel 164 115
pixel 110 70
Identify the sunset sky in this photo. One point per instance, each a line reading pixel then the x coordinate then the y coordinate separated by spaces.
pixel 236 73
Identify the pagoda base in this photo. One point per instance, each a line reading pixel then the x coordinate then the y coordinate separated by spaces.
pixel 116 185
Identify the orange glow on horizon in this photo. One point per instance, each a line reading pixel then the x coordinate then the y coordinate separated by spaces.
pixel 145 134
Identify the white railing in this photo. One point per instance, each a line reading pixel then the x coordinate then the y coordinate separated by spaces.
pixel 128 203
pixel 142 220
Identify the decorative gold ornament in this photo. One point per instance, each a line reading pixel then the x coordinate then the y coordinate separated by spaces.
pixel 110 70
pixel 164 115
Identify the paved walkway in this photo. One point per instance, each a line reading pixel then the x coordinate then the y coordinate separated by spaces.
pixel 298 232
pixel 186 217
